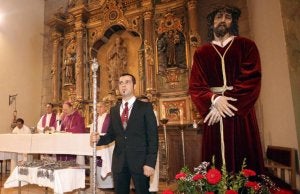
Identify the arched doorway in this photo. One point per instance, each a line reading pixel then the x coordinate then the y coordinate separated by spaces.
pixel 117 51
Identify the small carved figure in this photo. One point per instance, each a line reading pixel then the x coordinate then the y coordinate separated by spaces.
pixel 171 51
pixel 117 63
pixel 161 48
pixel 69 68
pixel 172 40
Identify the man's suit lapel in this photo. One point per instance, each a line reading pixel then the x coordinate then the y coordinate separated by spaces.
pixel 133 112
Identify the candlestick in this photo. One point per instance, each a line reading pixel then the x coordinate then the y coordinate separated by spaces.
pixel 163 111
pixel 183 144
pixel 164 122
pixel 181 116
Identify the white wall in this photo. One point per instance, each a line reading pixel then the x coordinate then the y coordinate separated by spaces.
pixel 21 44
pixel 276 96
pixel 279 123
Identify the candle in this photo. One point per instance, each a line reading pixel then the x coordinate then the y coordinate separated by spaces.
pixel 163 111
pixel 181 116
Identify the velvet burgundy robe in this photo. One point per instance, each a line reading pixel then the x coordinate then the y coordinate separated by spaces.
pixel 243 72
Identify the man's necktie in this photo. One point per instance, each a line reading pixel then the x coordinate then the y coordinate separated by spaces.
pixel 124 116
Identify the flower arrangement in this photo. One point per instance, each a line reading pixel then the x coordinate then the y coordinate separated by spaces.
pixel 206 179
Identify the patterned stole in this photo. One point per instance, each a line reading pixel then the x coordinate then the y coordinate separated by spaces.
pixel 52 120
pixel 105 124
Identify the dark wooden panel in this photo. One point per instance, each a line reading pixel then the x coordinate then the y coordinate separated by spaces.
pixel 170 165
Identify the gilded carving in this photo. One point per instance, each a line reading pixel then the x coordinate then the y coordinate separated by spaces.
pixel 95 34
pixel 171 50
pixel 136 24
pixel 55 36
pixel 195 40
pixel 148 15
pixel 117 63
pixel 78 66
pixel 141 66
pixel 53 72
pixel 96 2
pixel 172 77
pixel 169 22
pixel 69 64
pixel 74 3
pixel 192 4
pixel 148 53
pixel 112 12
pixel 171 44
pixel 175 110
pixel 110 15
pixel 162 58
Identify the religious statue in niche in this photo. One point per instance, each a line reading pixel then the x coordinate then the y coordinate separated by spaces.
pixel 172 40
pixel 69 65
pixel 171 50
pixel 117 63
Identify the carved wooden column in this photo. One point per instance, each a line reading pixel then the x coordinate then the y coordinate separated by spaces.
pixel 149 56
pixel 79 61
pixel 195 39
pixel 80 15
pixel 54 73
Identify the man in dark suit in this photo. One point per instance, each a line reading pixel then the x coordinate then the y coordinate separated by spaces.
pixel 133 127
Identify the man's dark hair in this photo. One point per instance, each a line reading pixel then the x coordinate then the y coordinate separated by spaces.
pixel 49 103
pixel 132 77
pixel 20 120
pixel 235 13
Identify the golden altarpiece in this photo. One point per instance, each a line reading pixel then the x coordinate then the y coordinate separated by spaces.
pixel 153 40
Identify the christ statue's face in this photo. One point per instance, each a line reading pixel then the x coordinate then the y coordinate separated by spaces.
pixel 222 23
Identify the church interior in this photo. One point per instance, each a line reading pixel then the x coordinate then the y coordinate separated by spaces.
pixel 48 48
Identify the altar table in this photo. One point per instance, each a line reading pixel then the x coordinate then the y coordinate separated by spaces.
pixel 65 180
pixel 57 143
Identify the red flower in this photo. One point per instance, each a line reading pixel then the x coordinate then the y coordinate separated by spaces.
pixel 196 177
pixel 180 175
pixel 253 185
pixel 213 176
pixel 168 191
pixel 283 191
pixel 248 172
pixel 209 192
pixel 231 192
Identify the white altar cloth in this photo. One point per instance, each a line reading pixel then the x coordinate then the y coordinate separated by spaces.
pixel 65 180
pixel 56 143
